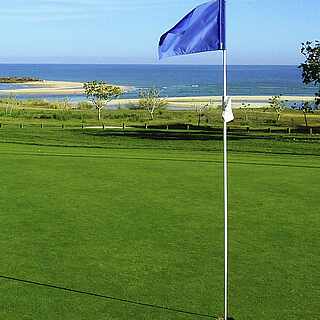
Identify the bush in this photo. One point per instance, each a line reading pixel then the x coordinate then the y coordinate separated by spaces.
pixel 84 106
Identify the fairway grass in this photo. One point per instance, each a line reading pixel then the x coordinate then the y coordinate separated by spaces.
pixel 142 220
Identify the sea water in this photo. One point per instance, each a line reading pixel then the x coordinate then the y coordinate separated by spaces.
pixel 172 80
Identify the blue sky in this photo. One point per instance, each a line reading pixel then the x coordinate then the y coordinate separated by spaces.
pixel 127 31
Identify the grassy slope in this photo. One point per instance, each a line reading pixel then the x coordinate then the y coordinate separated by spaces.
pixel 142 220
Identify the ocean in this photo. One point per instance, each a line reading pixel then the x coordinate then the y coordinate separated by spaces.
pixel 173 80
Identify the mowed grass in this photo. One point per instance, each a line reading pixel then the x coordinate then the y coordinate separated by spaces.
pixel 145 224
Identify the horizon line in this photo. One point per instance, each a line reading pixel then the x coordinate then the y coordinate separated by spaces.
pixel 154 64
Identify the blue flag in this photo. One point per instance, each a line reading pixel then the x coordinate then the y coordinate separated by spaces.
pixel 203 29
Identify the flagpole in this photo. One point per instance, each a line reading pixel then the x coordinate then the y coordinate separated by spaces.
pixel 225 166
pixel 177 41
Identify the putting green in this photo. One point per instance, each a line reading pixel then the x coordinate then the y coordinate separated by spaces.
pixel 147 226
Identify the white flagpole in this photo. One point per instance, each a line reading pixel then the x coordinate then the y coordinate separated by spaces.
pixel 225 166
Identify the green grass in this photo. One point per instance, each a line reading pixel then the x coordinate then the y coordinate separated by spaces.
pixel 37 111
pixel 142 219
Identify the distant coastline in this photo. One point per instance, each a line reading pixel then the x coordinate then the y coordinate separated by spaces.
pixel 19 80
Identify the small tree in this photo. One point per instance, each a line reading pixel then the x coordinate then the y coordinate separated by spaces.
pixel 244 107
pixel 100 93
pixel 11 104
pixel 277 105
pixel 151 101
pixel 64 109
pixel 306 108
pixel 311 66
pixel 201 111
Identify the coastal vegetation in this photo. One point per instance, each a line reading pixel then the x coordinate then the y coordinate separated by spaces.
pixel 19 79
pixel 37 112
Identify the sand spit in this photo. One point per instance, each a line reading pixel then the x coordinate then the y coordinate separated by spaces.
pixel 49 88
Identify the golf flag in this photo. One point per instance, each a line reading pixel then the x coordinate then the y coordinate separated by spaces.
pixel 203 29
pixel 227 114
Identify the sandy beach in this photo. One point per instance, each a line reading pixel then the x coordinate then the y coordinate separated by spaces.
pixel 49 87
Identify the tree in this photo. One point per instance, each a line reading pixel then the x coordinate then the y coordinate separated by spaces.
pixel 201 110
pixel 277 105
pixel 12 103
pixel 311 67
pixel 100 93
pixel 151 101
pixel 244 107
pixel 64 109
pixel 306 108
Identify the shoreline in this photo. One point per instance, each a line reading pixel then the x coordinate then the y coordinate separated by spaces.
pixel 214 101
pixel 70 88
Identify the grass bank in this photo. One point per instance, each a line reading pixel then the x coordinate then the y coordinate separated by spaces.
pixel 37 112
